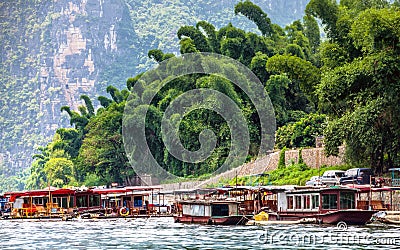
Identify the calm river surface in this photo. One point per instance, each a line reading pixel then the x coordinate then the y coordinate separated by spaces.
pixel 163 233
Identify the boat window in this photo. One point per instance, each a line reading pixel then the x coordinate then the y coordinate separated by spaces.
pixel 94 201
pixel 71 202
pixel 290 202
pixel 63 202
pixel 307 202
pixel 137 201
pixel 329 201
pixel 40 201
pixel 197 210
pixel 315 201
pixel 81 201
pixel 347 200
pixel 220 210
pixel 298 202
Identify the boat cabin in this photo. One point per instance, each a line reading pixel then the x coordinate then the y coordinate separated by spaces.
pixel 210 209
pixel 43 202
pixel 134 200
pixel 317 200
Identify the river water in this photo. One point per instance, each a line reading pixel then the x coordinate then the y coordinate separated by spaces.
pixel 163 233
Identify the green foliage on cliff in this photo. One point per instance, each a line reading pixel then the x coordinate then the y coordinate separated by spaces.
pixel 346 89
pixel 94 145
pixel 47 48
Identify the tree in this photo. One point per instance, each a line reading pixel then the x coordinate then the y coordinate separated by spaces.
pixel 257 65
pixel 278 90
pixel 211 34
pixel 38 178
pixel 158 55
pixel 187 46
pixel 362 94
pixel 255 14
pixel 199 39
pixel 282 160
pixel 102 150
pixel 301 133
pixel 88 105
pixel 301 72
pixel 327 11
pixel 59 172
pixel 312 32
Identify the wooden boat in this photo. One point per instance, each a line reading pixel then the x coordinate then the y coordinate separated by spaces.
pixel 324 205
pixel 223 212
pixel 67 203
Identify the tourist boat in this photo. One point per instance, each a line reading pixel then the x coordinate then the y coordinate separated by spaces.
pixel 212 212
pixel 322 205
pixel 69 203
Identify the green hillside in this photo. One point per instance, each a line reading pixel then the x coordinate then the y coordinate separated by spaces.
pixel 52 52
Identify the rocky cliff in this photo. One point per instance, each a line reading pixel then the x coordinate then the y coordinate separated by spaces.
pixel 54 51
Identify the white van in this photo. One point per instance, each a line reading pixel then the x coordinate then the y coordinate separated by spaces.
pixel 332 177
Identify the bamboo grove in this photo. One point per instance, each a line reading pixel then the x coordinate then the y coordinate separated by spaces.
pixel 344 86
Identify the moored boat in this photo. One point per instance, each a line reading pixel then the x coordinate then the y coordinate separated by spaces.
pixel 324 205
pixel 222 212
pixel 85 203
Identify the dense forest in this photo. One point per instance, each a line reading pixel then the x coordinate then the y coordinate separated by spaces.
pixel 52 52
pixel 345 88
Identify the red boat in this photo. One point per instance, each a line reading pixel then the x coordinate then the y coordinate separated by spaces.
pixel 324 205
pixel 210 212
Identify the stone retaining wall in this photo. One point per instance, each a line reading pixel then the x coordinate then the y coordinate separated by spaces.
pixel 313 157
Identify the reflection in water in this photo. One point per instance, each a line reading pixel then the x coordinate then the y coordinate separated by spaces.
pixel 163 233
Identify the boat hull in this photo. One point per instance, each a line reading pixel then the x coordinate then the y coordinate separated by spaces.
pixel 212 220
pixel 350 217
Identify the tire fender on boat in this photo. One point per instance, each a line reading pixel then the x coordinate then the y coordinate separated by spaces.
pixel 124 211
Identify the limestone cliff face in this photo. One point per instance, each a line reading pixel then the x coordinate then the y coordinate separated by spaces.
pixel 85 39
pixel 54 51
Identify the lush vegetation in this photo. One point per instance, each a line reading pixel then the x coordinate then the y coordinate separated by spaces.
pixel 345 88
pixel 293 174
pixel 34 34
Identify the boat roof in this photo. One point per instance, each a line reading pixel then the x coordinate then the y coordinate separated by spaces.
pixel 321 189
pixel 81 190
pixel 42 192
pixel 126 190
pixel 209 202
pixel 367 188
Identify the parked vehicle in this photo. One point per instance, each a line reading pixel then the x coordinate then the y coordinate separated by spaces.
pixel 358 176
pixel 314 181
pixel 332 177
